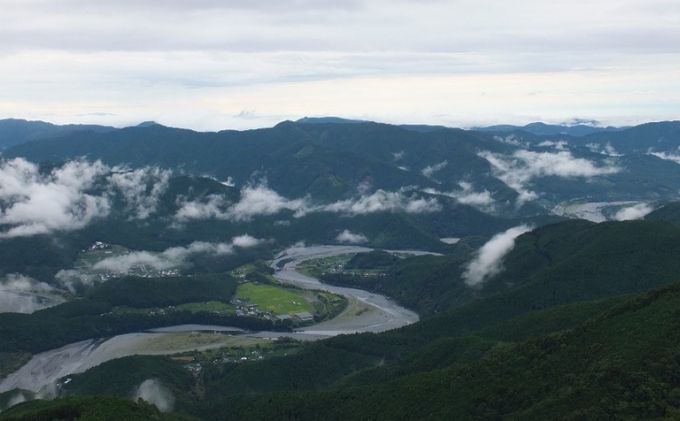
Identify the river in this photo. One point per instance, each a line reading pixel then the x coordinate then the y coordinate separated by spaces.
pixel 366 312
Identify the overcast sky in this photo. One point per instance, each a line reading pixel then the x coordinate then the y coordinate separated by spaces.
pixel 209 64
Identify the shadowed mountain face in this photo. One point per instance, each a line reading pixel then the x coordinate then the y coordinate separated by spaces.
pixel 15 132
pixel 512 173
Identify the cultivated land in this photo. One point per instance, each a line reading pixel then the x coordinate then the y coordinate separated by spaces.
pixel 273 299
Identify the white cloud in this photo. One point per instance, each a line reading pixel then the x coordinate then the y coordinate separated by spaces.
pixel 22 294
pixel 667 156
pixel 349 237
pixel 364 187
pixel 255 201
pixel 172 257
pixel 245 241
pixel 155 393
pixel 511 139
pixel 431 169
pixel 34 203
pixel 489 258
pixel 468 196
pixel 557 144
pixel 638 211
pixel 383 201
pixel 213 206
pixel 606 149
pixel 517 170
pixel 450 240
pixel 260 200
pixel 70 197
pixel 141 188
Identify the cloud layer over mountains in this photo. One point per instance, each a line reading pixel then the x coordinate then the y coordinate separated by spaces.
pixel 523 166
pixel 488 261
pixel 35 201
pixel 261 201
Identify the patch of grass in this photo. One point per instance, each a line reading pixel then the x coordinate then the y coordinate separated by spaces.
pixel 276 300
pixel 207 307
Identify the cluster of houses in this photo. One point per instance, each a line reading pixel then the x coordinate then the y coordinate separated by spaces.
pixel 245 309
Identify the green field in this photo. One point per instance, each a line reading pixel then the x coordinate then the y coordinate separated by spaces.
pixel 207 307
pixel 276 300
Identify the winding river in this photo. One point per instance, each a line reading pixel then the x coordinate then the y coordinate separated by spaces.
pixel 366 312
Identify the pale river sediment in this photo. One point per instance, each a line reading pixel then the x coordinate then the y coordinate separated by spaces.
pixel 366 312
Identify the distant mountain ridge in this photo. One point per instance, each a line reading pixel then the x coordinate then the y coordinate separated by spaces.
pixel 543 129
pixel 16 131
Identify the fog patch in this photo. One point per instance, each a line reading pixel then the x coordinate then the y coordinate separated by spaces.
pixel 431 169
pixel 22 294
pixel 667 156
pixel 365 187
pixel 467 195
pixel 348 237
pixel 450 240
pixel 172 257
pixel 511 139
pixel 141 188
pixel 254 201
pixel 557 144
pixel 606 149
pixel 70 197
pixel 155 393
pixel 638 211
pixel 383 201
pixel 488 261
pixel 260 201
pixel 520 168
pixel 33 203
pixel 18 398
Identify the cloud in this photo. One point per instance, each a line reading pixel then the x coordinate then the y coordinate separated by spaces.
pixel 22 294
pixel 606 149
pixel 667 156
pixel 155 393
pixel 511 139
pixel 383 201
pixel 70 197
pixel 255 201
pixel 260 200
pixel 558 144
pixel 488 259
pixel 172 257
pixel 35 203
pixel 141 188
pixel 213 206
pixel 517 170
pixel 365 186
pixel 245 241
pixel 468 196
pixel 431 169
pixel 348 237
pixel 638 211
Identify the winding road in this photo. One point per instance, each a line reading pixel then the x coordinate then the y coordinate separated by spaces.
pixel 366 312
